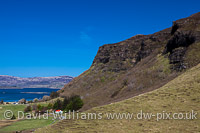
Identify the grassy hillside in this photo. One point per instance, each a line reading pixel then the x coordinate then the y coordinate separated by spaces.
pixel 180 95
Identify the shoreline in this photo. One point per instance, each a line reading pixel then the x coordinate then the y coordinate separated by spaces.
pixel 29 88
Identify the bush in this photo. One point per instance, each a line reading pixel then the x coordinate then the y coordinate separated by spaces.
pixel 54 95
pixel 30 101
pixel 35 100
pixel 75 103
pixel 13 117
pixel 50 106
pixel 39 107
pixel 57 105
pixel 34 107
pixel 69 103
pixel 1 102
pixel 46 98
pixel 44 110
pixel 22 101
pixel 125 82
pixel 27 109
pixel 66 101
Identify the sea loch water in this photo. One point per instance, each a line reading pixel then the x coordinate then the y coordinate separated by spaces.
pixel 14 95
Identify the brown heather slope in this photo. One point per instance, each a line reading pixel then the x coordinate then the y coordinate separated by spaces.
pixel 139 64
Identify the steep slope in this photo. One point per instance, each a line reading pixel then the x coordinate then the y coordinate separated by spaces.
pixel 139 64
pixel 34 82
pixel 181 95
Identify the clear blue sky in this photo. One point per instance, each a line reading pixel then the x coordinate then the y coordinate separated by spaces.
pixel 54 37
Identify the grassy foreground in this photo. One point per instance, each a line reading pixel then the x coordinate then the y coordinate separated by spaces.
pixel 26 125
pixel 181 95
pixel 13 108
pixel 19 125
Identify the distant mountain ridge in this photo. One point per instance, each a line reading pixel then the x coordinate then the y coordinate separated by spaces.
pixel 10 82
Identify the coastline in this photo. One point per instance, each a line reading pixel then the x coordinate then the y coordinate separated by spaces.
pixel 28 88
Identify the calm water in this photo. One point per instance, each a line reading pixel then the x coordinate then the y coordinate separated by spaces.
pixel 12 95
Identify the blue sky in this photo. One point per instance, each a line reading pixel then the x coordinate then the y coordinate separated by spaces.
pixel 54 37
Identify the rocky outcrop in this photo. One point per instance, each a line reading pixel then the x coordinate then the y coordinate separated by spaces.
pixel 118 56
pixel 179 39
pixel 184 32
pixel 124 55
pixel 177 47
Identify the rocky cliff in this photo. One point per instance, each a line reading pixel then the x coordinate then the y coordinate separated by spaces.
pixel 139 64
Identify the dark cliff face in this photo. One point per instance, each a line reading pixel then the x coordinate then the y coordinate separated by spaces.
pixel 125 54
pixel 176 40
pixel 185 32
pixel 139 64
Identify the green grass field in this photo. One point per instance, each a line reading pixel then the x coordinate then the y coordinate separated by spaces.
pixel 26 125
pixel 13 108
pixel 19 125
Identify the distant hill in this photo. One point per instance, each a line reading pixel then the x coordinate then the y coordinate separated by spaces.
pixel 10 82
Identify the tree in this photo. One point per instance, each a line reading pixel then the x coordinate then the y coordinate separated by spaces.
pixel 35 100
pixel 13 117
pixel 22 101
pixel 46 98
pixel 66 101
pixel 44 109
pixel 27 109
pixel 57 105
pixel 75 103
pixel 54 95
pixel 30 101
pixel 49 106
pixel 39 107
pixel 1 101
pixel 34 107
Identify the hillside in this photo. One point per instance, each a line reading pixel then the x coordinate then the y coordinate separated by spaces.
pixel 181 95
pixel 9 82
pixel 139 64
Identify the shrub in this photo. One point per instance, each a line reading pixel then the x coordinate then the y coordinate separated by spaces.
pixel 69 103
pixel 46 98
pixel 44 109
pixel 35 100
pixel 13 117
pixel 57 105
pixel 75 103
pixel 39 107
pixel 1 102
pixel 66 101
pixel 50 106
pixel 30 101
pixel 34 107
pixel 54 95
pixel 125 82
pixel 27 109
pixel 22 101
